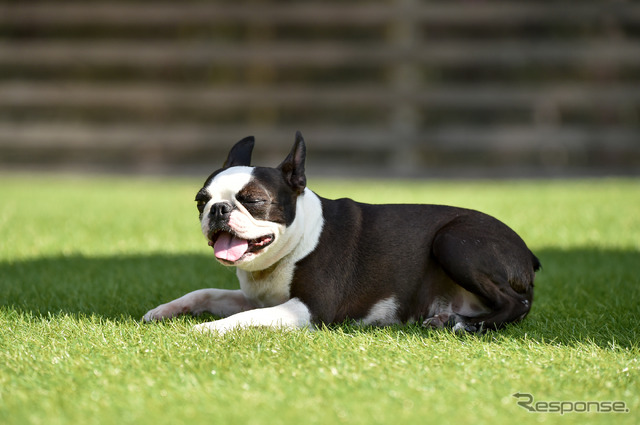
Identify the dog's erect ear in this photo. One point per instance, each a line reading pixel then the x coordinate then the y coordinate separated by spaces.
pixel 240 153
pixel 293 166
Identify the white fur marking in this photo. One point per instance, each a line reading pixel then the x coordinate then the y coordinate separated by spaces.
pixel 228 183
pixel 459 327
pixel 292 314
pixel 383 313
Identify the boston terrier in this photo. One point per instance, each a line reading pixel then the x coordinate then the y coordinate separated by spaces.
pixel 303 260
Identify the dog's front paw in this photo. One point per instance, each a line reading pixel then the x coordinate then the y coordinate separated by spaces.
pixel 164 311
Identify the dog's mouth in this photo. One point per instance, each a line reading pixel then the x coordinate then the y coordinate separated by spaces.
pixel 230 248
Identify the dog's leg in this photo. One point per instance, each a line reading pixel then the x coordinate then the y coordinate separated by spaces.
pixel 291 314
pixel 495 267
pixel 221 302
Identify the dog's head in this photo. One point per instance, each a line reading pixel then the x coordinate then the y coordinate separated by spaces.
pixel 246 211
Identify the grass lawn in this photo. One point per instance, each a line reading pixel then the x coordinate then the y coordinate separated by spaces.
pixel 82 259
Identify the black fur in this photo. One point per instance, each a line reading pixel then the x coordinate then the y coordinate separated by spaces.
pixel 375 254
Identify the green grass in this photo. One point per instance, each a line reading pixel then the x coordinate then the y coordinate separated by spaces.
pixel 82 259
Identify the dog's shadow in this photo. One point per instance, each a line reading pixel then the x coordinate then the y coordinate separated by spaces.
pixel 581 295
pixel 119 287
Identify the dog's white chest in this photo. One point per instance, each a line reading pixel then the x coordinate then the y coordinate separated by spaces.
pixel 270 287
pixel 267 288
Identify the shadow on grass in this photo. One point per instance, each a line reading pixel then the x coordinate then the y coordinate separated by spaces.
pixel 582 295
pixel 119 287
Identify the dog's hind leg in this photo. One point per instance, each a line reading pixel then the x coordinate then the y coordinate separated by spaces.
pixel 489 261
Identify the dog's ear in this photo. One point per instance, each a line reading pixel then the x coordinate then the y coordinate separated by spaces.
pixel 240 153
pixel 293 166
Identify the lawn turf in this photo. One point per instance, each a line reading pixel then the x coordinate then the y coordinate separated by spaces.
pixel 82 259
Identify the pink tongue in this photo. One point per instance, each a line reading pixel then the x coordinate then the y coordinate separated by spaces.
pixel 229 247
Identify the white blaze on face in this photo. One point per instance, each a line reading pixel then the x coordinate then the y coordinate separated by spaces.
pixel 223 188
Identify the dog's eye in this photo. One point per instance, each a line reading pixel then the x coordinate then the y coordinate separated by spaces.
pixel 200 203
pixel 250 200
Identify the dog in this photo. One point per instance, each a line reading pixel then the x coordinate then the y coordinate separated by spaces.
pixel 303 260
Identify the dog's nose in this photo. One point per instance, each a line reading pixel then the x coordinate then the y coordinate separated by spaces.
pixel 220 210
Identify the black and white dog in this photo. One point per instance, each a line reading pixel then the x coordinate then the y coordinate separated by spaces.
pixel 303 260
